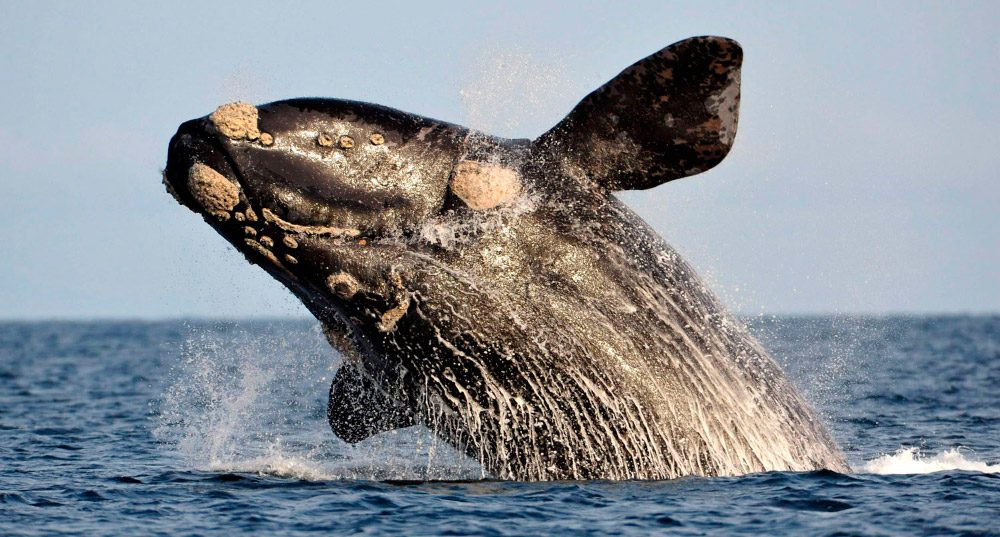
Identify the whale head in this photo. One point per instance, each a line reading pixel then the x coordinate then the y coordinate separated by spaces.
pixel 313 190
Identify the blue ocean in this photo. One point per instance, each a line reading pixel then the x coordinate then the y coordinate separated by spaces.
pixel 218 428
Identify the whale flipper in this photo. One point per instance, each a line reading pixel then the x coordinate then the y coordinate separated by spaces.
pixel 667 116
pixel 358 408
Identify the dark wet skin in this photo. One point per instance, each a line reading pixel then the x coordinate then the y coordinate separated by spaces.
pixel 496 291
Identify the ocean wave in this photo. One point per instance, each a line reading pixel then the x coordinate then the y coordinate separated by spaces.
pixel 912 461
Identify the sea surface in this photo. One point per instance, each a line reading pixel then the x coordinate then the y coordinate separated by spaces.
pixel 218 428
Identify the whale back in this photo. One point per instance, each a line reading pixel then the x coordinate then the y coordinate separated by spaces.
pixel 571 341
pixel 605 358
pixel 560 337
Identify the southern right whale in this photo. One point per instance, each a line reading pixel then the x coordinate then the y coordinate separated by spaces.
pixel 496 291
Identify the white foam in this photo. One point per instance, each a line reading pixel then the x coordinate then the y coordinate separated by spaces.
pixel 387 456
pixel 277 465
pixel 912 461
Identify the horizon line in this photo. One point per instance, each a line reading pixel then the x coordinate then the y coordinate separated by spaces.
pixel 296 318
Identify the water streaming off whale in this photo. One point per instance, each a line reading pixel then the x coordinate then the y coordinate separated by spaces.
pixel 249 397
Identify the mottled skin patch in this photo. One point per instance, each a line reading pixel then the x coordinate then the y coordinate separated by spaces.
pixel 495 291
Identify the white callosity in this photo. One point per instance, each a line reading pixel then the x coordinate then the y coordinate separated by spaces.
pixel 272 218
pixel 237 121
pixel 483 185
pixel 342 284
pixel 216 194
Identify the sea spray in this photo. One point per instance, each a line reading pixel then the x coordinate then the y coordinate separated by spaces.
pixel 239 388
pixel 251 397
pixel 515 93
pixel 823 354
pixel 910 460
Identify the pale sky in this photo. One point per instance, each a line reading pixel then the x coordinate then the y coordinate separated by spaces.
pixel 864 178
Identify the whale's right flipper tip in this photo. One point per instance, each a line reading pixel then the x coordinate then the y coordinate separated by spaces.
pixel 669 115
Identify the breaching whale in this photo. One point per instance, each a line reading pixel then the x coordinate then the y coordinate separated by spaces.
pixel 496 291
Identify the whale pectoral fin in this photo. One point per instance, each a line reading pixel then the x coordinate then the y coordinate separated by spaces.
pixel 669 115
pixel 358 408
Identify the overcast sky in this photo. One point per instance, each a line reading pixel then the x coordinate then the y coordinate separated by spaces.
pixel 864 176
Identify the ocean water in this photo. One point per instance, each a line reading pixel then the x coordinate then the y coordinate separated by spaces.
pixel 213 428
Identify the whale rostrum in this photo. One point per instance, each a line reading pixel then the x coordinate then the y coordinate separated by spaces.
pixel 496 291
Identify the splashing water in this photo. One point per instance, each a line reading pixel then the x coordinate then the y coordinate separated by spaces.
pixel 243 83
pixel 251 398
pixel 912 461
pixel 278 463
pixel 514 93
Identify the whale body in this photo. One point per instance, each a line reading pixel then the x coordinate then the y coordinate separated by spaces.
pixel 496 291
